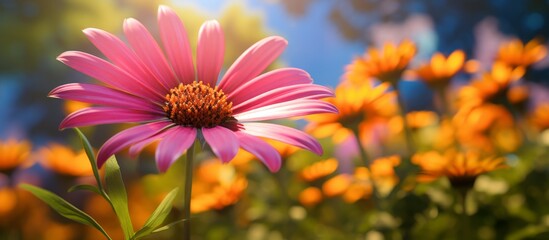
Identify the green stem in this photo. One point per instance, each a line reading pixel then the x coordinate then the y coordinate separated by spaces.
pixel 441 94
pixel 363 154
pixel 407 131
pixel 188 191
pixel 464 218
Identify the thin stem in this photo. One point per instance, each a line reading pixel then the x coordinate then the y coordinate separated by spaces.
pixel 407 131
pixel 363 154
pixel 464 218
pixel 444 108
pixel 187 196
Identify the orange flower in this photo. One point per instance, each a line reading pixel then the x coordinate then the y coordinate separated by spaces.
pixel 65 161
pixel 540 116
pixel 73 106
pixel 383 173
pixel 351 187
pixel 492 86
pixel 310 196
pixel 516 54
pixel 13 153
pixel 441 69
pixel 461 168
pixel 216 186
pixel 488 127
pixel 387 64
pixel 360 108
pixel 319 170
pixel 415 120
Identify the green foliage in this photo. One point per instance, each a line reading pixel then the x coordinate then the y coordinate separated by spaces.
pixel 157 217
pixel 64 208
pixel 118 196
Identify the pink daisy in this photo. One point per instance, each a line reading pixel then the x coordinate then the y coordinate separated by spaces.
pixel 175 105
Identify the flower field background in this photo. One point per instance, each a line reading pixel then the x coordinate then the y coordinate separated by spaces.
pixel 442 130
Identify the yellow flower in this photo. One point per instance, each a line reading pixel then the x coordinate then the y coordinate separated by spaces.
pixel 216 186
pixel 319 170
pixel 386 64
pixel 461 168
pixel 13 153
pixel 441 69
pixel 516 54
pixel 360 108
pixel 540 116
pixel 65 161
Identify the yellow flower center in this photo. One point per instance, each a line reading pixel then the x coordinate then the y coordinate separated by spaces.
pixel 198 105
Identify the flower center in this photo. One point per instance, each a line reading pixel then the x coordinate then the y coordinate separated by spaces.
pixel 198 105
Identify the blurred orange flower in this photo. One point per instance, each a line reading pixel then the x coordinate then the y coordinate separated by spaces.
pixel 319 170
pixel 489 127
pixel 73 106
pixel 65 161
pixel 310 196
pixel 360 108
pixel 516 54
pixel 351 187
pixel 383 173
pixel 461 168
pixel 441 69
pixel 540 116
pixel 492 87
pixel 386 64
pixel 415 120
pixel 216 186
pixel 13 153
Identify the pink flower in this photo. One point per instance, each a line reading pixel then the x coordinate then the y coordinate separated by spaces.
pixel 176 105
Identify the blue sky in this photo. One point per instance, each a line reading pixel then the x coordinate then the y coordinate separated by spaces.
pixel 314 42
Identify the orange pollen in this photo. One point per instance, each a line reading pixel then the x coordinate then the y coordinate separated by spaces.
pixel 198 105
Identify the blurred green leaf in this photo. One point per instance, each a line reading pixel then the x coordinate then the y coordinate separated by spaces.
pixel 91 156
pixel 86 187
pixel 117 195
pixel 64 208
pixel 158 216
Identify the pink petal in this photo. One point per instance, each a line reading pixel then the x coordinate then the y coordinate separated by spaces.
pixel 96 94
pixel 127 138
pixel 105 115
pixel 268 81
pixel 149 52
pixel 106 72
pixel 222 141
pixel 176 44
pixel 295 108
pixel 122 56
pixel 210 52
pixel 283 94
pixel 173 145
pixel 284 134
pixel 252 62
pixel 262 150
pixel 137 147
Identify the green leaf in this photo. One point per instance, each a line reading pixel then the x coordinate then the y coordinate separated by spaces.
pixel 64 208
pixel 158 216
pixel 85 187
pixel 91 157
pixel 168 226
pixel 117 195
